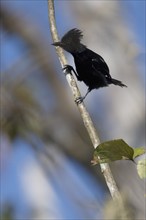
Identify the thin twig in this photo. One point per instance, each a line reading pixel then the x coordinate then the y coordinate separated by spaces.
pixel 105 169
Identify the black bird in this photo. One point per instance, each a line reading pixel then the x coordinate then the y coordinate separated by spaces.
pixel 91 67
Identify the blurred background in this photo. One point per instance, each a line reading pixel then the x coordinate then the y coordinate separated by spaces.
pixel 45 157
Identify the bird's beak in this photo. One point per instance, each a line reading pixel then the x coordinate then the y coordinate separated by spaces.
pixel 56 44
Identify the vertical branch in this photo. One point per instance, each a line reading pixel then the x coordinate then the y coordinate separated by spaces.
pixel 105 169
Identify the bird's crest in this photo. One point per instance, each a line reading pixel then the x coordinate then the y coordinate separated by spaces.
pixel 72 36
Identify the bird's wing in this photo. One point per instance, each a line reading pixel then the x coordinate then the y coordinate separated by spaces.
pixel 100 66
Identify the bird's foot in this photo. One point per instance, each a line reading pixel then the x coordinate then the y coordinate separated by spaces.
pixel 79 100
pixel 68 68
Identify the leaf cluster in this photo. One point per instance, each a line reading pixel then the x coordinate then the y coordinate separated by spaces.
pixel 119 150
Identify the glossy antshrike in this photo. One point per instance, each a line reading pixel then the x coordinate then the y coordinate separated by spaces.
pixel 90 66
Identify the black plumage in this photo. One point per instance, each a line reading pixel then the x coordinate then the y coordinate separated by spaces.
pixel 90 66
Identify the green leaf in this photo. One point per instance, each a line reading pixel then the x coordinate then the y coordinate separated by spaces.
pixel 111 151
pixel 141 168
pixel 138 151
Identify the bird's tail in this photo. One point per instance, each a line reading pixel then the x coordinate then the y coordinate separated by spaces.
pixel 117 82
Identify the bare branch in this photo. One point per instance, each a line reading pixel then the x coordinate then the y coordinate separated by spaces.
pixel 105 169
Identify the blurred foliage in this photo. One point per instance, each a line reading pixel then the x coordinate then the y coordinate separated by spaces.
pixel 115 211
pixel 20 111
pixel 141 168
pixel 33 96
pixel 7 213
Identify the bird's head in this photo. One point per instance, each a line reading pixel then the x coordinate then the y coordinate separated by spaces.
pixel 71 41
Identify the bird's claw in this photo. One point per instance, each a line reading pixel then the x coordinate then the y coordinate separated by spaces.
pixel 68 68
pixel 78 100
